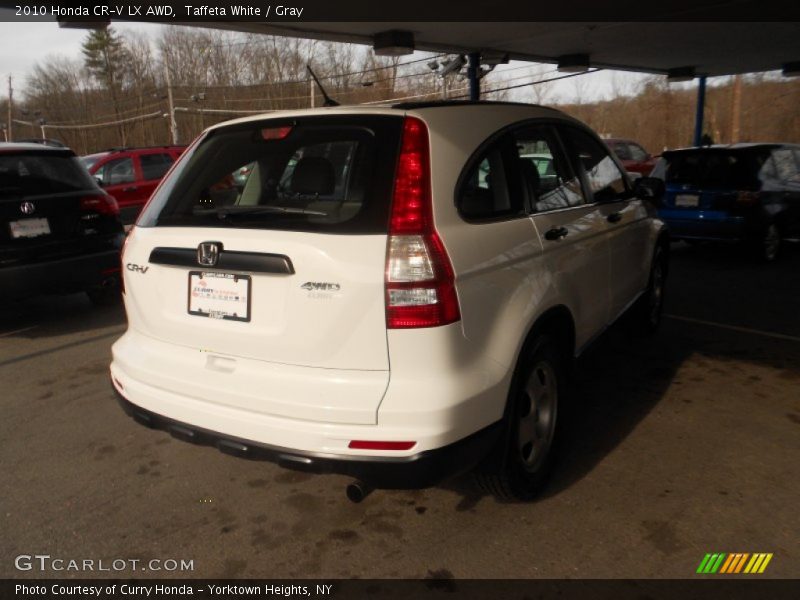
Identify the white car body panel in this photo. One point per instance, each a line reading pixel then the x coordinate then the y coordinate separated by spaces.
pixel 310 373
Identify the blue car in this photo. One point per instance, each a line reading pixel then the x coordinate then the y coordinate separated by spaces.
pixel 740 192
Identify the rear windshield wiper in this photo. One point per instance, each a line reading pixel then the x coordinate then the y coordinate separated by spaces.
pixel 224 211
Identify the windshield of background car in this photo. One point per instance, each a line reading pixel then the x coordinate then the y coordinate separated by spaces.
pixel 35 173
pixel 328 174
pixel 716 168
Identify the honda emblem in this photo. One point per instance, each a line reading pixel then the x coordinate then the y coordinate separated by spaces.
pixel 27 208
pixel 208 254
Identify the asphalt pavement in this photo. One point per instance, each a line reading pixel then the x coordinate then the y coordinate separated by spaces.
pixel 683 444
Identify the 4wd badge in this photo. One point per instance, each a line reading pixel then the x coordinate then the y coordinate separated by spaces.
pixel 317 286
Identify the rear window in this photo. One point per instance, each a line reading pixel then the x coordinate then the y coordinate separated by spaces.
pixel 715 168
pixel 38 174
pixel 318 174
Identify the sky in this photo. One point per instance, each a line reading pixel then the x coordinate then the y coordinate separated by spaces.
pixel 23 45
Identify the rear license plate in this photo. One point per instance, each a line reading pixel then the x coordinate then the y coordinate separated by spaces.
pixel 28 228
pixel 687 200
pixel 219 295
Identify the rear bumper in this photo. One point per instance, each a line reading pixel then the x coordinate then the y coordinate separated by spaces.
pixel 704 225
pixel 65 275
pixel 416 471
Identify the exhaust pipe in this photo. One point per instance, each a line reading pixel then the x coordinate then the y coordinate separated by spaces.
pixel 357 491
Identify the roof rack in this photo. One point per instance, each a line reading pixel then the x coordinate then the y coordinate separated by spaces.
pixel 126 148
pixel 437 103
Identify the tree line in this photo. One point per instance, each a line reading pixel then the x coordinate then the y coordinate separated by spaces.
pixel 121 91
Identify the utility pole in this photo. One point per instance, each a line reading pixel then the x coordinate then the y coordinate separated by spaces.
pixel 173 125
pixel 736 110
pixel 9 135
pixel 311 88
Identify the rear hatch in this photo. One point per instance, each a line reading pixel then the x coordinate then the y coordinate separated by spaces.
pixel 709 179
pixel 50 208
pixel 290 221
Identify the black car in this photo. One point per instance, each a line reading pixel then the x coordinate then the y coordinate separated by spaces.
pixel 59 231
pixel 739 192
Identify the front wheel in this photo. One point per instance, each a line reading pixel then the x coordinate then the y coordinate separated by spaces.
pixel 770 244
pixel 532 419
pixel 646 312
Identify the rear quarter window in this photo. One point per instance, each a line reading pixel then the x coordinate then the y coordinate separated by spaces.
pixel 328 174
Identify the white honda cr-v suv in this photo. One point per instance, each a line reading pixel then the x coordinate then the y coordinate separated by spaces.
pixel 392 293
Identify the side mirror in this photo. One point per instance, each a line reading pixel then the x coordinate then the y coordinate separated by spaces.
pixel 99 181
pixel 649 188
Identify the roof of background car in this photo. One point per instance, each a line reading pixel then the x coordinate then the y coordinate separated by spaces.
pixel 737 146
pixel 29 146
pixel 395 109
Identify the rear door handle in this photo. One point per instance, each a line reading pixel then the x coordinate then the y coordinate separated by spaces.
pixel 556 233
pixel 132 188
pixel 614 217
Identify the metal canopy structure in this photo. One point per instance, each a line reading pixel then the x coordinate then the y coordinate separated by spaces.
pixel 677 49
pixel 711 49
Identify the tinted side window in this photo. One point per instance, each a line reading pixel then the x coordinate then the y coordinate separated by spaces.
pixel 638 153
pixel 547 178
pixel 606 181
pixel 484 192
pixel 116 171
pixel 622 150
pixel 154 166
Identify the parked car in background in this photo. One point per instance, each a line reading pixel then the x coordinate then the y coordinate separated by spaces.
pixel 740 192
pixel 43 141
pixel 395 293
pixel 634 158
pixel 59 232
pixel 131 174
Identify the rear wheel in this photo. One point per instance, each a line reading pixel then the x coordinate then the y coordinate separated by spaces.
pixel 532 421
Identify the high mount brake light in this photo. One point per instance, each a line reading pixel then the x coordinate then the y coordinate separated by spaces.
pixel 275 133
pixel 419 278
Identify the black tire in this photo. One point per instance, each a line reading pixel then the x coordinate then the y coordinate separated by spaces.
pixel 645 316
pixel 533 426
pixel 107 295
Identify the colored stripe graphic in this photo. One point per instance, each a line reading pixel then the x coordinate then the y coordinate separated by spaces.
pixel 703 563
pixel 741 562
pixel 730 565
pixel 727 564
pixel 764 564
pixel 734 563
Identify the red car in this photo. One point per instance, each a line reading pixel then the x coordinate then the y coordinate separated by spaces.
pixel 634 158
pixel 131 174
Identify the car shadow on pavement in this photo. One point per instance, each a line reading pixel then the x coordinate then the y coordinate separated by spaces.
pixel 620 379
pixel 58 315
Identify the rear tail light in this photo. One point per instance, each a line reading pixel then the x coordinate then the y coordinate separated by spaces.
pixel 747 198
pixel 275 133
pixel 100 203
pixel 419 279
pixel 122 259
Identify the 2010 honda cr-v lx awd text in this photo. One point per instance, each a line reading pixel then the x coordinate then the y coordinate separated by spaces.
pixel 392 293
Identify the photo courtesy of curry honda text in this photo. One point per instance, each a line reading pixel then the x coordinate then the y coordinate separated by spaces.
pixel 392 293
